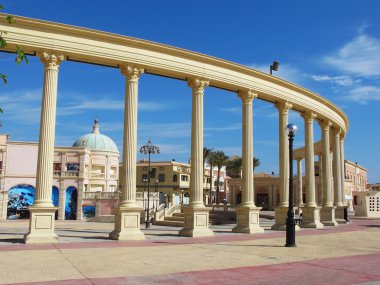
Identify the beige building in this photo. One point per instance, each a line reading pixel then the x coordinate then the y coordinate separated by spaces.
pixel 367 203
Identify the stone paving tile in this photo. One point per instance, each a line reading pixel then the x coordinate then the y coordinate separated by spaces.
pixel 173 258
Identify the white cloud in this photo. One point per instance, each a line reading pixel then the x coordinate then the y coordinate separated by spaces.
pixel 108 104
pixel 224 128
pixel 343 80
pixel 360 56
pixel 364 94
pixel 235 110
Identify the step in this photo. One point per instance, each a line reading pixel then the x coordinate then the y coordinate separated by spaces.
pixel 175 218
pixel 169 223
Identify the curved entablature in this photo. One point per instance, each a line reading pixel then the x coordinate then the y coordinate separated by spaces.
pixel 91 46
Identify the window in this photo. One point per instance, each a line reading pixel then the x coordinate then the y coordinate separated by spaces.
pixel 144 178
pixel 175 178
pixel 57 167
pixel 72 166
pixel 184 178
pixel 161 178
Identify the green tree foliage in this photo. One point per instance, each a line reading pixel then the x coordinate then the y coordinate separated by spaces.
pixel 235 165
pixel 20 55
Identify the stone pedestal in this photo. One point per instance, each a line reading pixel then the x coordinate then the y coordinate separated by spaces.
pixel 41 225
pixel 311 218
pixel 339 214
pixel 328 216
pixel 248 220
pixel 196 222
pixel 127 224
pixel 281 214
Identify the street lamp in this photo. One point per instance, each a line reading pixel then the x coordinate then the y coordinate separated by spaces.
pixel 149 149
pixel 290 222
pixel 155 191
pixel 145 180
pixel 274 66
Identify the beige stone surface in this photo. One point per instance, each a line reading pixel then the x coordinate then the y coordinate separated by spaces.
pixel 169 257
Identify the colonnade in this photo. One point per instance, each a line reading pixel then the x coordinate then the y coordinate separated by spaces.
pixel 134 57
pixel 331 172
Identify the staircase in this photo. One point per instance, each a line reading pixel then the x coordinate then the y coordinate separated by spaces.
pixel 176 220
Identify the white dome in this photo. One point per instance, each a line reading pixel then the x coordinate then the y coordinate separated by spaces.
pixel 96 141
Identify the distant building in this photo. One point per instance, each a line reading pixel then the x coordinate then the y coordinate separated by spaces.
pixel 84 176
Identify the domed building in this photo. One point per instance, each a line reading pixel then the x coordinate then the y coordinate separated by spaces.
pixel 85 176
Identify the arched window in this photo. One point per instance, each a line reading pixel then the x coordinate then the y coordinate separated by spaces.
pixel 175 178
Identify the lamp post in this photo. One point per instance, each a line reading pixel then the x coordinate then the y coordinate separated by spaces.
pixel 274 66
pixel 155 191
pixel 149 149
pixel 145 180
pixel 290 222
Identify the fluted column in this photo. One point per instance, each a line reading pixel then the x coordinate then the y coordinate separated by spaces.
pixel 47 131
pixel 127 215
pixel 309 159
pixel 283 109
pixel 328 209
pixel 337 170
pixel 283 187
pixel 320 197
pixel 299 182
pixel 247 213
pixel 197 215
pixel 247 147
pixel 342 170
pixel 196 179
pixel 311 212
pixel 128 190
pixel 327 189
pixel 41 227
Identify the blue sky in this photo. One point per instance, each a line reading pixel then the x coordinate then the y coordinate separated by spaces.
pixel 329 47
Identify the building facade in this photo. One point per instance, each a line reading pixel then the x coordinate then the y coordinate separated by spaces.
pixel 85 176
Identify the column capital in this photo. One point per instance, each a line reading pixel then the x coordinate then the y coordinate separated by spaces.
pixel 247 96
pixel 198 84
pixel 325 125
pixel 132 73
pixel 309 116
pixel 337 132
pixel 51 60
pixel 283 106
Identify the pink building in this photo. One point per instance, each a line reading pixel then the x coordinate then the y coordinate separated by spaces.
pixel 85 176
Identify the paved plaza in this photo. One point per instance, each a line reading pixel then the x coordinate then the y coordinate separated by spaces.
pixel 347 254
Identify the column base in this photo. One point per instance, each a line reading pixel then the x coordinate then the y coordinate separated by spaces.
pixel 196 222
pixel 328 216
pixel 127 224
pixel 339 214
pixel 311 218
pixel 247 220
pixel 281 214
pixel 41 225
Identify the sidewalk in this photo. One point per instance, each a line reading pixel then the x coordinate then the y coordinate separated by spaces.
pixel 347 254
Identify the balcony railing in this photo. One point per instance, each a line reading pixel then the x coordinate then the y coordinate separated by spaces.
pixel 97 175
pixel 71 173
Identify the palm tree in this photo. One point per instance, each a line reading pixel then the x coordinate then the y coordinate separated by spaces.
pixel 256 163
pixel 219 159
pixel 206 155
pixel 234 166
